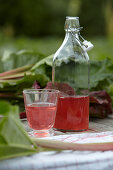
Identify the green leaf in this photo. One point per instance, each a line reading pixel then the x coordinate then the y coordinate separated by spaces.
pixel 40 72
pixel 7 151
pixel 2 140
pixel 14 134
pixel 18 59
pixel 48 61
pixel 15 71
pixel 100 72
pixel 6 109
pixel 14 141
pixel 26 82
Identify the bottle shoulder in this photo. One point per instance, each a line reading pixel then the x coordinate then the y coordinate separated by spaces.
pixel 66 52
pixel 71 48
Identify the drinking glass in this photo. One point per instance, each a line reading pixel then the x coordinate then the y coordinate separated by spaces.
pixel 40 106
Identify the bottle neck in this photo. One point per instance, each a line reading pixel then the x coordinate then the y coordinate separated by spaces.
pixel 71 35
pixel 72 28
pixel 72 23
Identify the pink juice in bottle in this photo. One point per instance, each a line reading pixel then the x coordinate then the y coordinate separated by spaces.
pixel 41 116
pixel 72 113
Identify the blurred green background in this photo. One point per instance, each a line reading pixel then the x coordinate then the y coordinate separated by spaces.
pixel 39 25
pixel 31 30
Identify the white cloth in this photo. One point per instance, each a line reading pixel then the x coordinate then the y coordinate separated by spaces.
pixel 84 137
pixel 66 160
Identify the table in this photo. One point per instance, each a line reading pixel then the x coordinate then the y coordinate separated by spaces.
pixel 101 125
pixel 67 160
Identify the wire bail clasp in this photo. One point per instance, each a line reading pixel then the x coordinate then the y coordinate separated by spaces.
pixel 86 45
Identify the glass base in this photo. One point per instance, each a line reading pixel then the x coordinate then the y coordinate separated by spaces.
pixel 41 133
pixel 69 131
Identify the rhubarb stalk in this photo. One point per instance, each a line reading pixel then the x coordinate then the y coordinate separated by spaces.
pixel 73 146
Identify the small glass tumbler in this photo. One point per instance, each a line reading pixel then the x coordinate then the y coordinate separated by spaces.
pixel 40 106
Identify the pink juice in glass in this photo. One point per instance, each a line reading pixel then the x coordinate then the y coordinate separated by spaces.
pixel 41 116
pixel 72 113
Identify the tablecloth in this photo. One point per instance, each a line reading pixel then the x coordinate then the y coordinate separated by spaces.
pixel 65 160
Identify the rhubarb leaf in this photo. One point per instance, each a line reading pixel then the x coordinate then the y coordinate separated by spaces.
pixel 14 141
pixel 100 73
pixel 26 82
pixel 18 59
pixel 8 152
pixel 6 108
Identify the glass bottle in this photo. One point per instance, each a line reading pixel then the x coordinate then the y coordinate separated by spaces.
pixel 70 74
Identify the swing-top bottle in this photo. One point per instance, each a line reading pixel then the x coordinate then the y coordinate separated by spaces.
pixel 70 74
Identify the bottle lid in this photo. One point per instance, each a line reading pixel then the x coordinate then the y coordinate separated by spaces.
pixel 73 23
